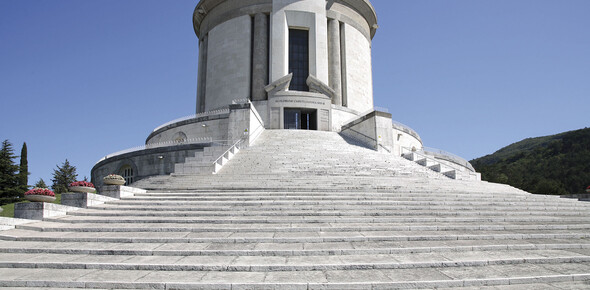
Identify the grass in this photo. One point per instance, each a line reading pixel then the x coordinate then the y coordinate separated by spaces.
pixel 8 209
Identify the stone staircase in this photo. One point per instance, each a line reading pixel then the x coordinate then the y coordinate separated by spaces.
pixel 446 168
pixel 201 163
pixel 267 221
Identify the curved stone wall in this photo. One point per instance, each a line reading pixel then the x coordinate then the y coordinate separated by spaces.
pixel 405 137
pixel 145 163
pixel 214 127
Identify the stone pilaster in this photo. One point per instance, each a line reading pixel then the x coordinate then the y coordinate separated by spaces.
pixel 202 74
pixel 334 58
pixel 260 57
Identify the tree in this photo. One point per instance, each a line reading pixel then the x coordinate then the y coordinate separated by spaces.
pixel 9 189
pixel 41 183
pixel 63 176
pixel 23 171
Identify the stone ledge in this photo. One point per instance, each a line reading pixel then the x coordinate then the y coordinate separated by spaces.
pixel 119 191
pixel 40 210
pixel 83 199
pixel 10 223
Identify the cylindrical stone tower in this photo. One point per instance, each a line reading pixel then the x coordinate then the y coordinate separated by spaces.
pixel 304 64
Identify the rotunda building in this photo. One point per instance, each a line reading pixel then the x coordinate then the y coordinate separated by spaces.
pixel 276 64
pixel 304 64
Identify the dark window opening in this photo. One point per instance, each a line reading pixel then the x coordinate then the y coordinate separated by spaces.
pixel 127 173
pixel 299 59
pixel 300 119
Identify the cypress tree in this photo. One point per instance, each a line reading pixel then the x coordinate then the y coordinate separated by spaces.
pixel 63 176
pixel 41 183
pixel 9 189
pixel 23 173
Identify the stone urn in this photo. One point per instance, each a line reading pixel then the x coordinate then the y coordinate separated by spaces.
pixel 40 195
pixel 82 189
pixel 113 179
pixel 40 198
pixel 82 186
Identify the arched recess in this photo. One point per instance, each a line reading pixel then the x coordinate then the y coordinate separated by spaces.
pixel 128 170
pixel 179 137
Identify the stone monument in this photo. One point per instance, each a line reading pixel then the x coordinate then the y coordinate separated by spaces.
pixel 277 64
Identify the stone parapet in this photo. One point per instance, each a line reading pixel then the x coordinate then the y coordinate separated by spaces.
pixel 119 191
pixel 83 199
pixel 40 210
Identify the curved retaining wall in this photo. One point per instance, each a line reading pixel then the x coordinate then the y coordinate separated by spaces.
pixel 146 162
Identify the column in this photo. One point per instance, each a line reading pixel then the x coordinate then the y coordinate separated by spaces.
pixel 335 69
pixel 260 57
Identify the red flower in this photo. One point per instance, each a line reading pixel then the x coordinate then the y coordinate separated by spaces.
pixel 40 191
pixel 82 183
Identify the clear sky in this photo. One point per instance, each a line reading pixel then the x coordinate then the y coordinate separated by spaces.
pixel 82 79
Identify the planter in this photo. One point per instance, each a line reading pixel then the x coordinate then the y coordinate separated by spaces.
pixel 114 182
pixel 40 198
pixel 113 179
pixel 588 190
pixel 82 189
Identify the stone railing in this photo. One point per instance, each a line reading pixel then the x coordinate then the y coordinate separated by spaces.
pixel 440 154
pixel 203 140
pixel 405 128
pixel 194 116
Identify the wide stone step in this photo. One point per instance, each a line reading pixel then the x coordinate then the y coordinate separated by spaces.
pixel 291 249
pixel 286 237
pixel 182 227
pixel 328 216
pixel 306 223
pixel 538 275
pixel 290 263
pixel 320 210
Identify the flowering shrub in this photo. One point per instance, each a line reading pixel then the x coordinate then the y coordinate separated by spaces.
pixel 82 183
pixel 40 191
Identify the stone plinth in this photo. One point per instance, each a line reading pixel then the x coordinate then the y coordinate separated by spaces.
pixel 119 191
pixel 40 210
pixel 83 199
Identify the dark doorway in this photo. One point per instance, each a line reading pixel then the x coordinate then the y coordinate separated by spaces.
pixel 301 119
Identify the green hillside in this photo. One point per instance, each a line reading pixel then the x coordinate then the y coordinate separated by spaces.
pixel 557 164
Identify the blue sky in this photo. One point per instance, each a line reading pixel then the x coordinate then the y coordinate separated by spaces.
pixel 82 79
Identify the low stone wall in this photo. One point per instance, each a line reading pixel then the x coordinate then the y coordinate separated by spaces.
pixel 145 163
pixel 118 191
pixel 40 210
pixel 83 199
pixel 373 130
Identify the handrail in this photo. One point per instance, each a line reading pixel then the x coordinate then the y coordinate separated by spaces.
pixel 193 116
pixel 236 144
